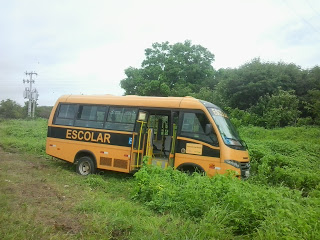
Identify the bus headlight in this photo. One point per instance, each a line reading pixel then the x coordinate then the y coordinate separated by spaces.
pixel 233 163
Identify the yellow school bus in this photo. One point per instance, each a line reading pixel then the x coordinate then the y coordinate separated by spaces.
pixel 118 133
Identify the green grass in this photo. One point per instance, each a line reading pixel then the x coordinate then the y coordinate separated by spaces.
pixel 280 201
pixel 286 156
pixel 24 135
pixel 242 207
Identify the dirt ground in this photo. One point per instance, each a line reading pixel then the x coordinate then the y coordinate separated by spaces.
pixel 31 189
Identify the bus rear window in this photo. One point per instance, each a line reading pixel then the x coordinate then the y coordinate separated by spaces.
pixel 65 115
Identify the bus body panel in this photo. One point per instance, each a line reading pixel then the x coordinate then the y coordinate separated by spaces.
pixel 108 157
pixel 189 150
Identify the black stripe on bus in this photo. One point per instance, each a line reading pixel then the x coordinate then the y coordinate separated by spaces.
pixel 92 136
pixel 206 151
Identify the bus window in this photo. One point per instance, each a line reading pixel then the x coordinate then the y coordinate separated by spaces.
pixel 65 114
pixel 122 119
pixel 194 126
pixel 90 116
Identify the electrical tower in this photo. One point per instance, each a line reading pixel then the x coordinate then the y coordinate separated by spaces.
pixel 31 94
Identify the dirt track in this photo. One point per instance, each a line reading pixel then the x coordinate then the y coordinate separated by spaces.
pixel 33 189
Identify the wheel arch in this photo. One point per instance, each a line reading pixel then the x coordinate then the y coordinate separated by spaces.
pixel 190 166
pixel 83 153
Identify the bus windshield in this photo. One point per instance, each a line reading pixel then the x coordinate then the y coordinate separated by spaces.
pixel 228 133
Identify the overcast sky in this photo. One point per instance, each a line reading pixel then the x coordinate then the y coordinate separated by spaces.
pixel 83 47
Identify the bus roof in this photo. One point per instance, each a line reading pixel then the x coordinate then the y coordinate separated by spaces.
pixel 133 100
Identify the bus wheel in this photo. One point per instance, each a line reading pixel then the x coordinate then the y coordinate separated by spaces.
pixel 190 169
pixel 85 166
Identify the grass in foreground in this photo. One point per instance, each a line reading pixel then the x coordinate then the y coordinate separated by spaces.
pixel 285 157
pixel 42 199
pixel 24 136
pixel 45 199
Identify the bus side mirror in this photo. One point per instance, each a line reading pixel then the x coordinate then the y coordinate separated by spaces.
pixel 208 129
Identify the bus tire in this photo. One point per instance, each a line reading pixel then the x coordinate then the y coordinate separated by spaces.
pixel 85 166
pixel 190 168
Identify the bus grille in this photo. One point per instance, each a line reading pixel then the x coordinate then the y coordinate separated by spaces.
pixel 105 161
pixel 119 163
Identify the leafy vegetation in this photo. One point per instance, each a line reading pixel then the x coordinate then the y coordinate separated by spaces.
pixel 171 70
pixel 265 89
pixel 258 93
pixel 11 110
pixel 285 157
pixel 238 207
pixel 271 94
pixel 24 135
pixel 280 201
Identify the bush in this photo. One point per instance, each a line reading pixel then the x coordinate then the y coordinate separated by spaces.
pixel 304 121
pixel 11 109
pixel 241 207
pixel 241 118
pixel 287 156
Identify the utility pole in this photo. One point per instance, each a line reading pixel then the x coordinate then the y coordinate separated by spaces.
pixel 31 94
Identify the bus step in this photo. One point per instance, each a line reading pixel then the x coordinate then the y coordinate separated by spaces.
pixel 163 163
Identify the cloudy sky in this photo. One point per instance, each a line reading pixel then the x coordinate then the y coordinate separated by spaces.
pixel 83 47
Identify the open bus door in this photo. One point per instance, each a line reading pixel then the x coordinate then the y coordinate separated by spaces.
pixel 139 141
pixel 155 138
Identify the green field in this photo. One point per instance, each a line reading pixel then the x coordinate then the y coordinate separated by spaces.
pixel 41 198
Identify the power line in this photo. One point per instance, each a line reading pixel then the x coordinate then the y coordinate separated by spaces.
pixel 302 18
pixel 315 11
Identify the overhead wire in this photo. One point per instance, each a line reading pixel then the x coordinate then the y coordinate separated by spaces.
pixel 313 9
pixel 301 17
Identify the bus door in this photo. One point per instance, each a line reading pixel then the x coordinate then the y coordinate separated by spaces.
pixel 197 147
pixel 139 141
pixel 153 138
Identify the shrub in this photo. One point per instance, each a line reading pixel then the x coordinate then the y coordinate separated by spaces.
pixel 241 207
pixel 287 156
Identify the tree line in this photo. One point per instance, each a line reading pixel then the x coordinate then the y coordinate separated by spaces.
pixel 10 109
pixel 266 94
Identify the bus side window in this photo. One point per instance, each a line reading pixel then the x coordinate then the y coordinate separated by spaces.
pixel 65 115
pixel 194 126
pixel 121 118
pixel 90 116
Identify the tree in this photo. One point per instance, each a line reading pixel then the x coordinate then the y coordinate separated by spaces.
pixel 309 81
pixel 205 93
pixel 176 70
pixel 279 109
pixel 242 87
pixel 10 109
pixel 43 111
pixel 313 105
